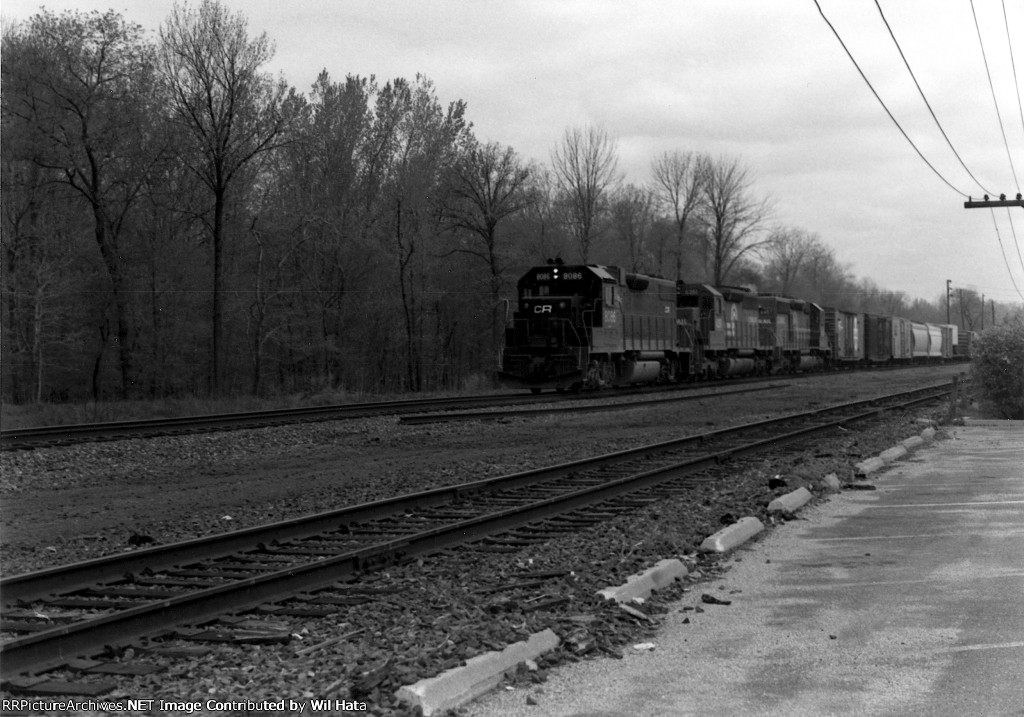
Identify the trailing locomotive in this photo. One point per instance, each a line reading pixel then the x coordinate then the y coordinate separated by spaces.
pixel 591 326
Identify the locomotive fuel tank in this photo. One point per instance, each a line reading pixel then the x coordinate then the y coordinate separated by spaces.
pixel 811 363
pixel 736 366
pixel 640 371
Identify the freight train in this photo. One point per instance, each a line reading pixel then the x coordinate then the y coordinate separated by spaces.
pixel 591 326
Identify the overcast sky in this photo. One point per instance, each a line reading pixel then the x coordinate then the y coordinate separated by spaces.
pixel 763 82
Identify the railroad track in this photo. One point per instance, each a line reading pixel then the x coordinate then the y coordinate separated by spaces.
pixel 64 435
pixel 147 599
pixel 49 436
pixel 420 418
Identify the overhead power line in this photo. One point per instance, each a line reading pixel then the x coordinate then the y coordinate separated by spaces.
pixel 1016 84
pixel 926 102
pixel 1003 250
pixel 1015 242
pixel 891 117
pixel 999 116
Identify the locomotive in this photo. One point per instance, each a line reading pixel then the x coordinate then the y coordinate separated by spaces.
pixel 591 326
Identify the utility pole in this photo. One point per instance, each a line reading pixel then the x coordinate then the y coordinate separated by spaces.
pixel 1001 202
pixel 960 298
pixel 948 282
pixel 993 303
pixel 986 203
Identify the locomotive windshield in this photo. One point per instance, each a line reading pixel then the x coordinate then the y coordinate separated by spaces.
pixel 559 291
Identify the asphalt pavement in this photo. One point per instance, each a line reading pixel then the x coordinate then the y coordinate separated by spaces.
pixel 904 600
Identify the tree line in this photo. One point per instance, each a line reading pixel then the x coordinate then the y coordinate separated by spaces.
pixel 177 221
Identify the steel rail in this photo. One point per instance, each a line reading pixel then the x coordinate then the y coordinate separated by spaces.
pixel 417 419
pixel 51 648
pixel 70 434
pixel 15 438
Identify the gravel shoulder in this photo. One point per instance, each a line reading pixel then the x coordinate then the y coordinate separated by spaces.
pixel 66 504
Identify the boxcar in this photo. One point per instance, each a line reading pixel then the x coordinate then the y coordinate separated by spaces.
pixel 902 339
pixel 819 342
pixel 964 343
pixel 878 334
pixel 845 333
pixel 950 339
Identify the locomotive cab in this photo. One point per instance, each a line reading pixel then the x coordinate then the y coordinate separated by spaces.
pixel 547 342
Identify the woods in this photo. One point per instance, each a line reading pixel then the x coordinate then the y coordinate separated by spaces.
pixel 179 222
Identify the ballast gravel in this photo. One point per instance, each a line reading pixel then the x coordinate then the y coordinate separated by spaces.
pixel 68 504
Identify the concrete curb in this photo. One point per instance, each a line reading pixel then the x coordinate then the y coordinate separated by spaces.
pixel 893 454
pixel 866 468
pixel 790 502
pixel 832 482
pixel 878 462
pixel 733 535
pixel 480 674
pixel 912 443
pixel 641 585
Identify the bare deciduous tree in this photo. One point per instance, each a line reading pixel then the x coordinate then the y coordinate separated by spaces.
pixel 487 185
pixel 788 250
pixel 77 89
pixel 423 141
pixel 541 217
pixel 585 165
pixel 632 216
pixel 828 277
pixel 678 183
pixel 232 111
pixel 731 217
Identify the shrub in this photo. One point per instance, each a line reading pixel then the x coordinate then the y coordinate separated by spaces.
pixel 998 369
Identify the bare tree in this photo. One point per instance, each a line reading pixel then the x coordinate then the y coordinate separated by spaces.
pixel 420 142
pixel 232 111
pixel 788 250
pixel 731 217
pixel 37 286
pixel 78 90
pixel 632 216
pixel 585 165
pixel 318 197
pixel 540 218
pixel 678 184
pixel 486 186
pixel 828 277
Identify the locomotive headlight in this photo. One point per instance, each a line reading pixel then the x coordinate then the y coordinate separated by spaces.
pixel 555 271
